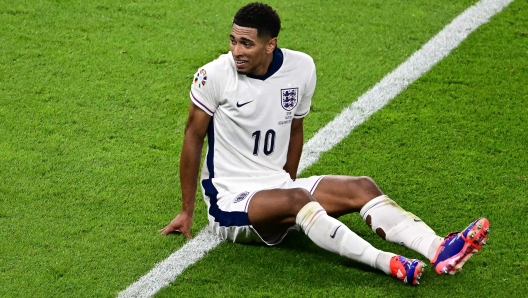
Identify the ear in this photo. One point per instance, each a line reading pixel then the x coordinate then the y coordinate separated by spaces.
pixel 272 44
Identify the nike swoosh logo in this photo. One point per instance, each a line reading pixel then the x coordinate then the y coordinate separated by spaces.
pixel 333 235
pixel 417 220
pixel 242 104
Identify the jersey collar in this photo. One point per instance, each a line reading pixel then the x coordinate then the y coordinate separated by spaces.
pixel 275 65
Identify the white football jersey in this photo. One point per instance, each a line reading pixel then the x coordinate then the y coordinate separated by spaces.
pixel 249 134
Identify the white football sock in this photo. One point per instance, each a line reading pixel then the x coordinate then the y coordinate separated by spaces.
pixel 394 224
pixel 383 261
pixel 332 235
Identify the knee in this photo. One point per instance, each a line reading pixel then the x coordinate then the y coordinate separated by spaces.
pixel 366 183
pixel 365 189
pixel 298 198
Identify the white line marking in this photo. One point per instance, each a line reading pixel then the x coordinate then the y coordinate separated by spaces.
pixel 376 98
pixel 166 271
pixel 395 82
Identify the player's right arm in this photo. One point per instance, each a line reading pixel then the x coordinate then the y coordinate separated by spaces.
pixel 191 156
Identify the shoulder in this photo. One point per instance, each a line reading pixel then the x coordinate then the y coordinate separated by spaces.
pixel 216 72
pixel 222 65
pixel 297 57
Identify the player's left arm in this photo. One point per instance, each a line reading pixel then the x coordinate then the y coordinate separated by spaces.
pixel 295 147
pixel 297 134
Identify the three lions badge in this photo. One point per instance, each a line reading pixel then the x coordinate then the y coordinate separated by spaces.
pixel 289 98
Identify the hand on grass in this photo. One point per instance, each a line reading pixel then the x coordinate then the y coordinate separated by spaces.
pixel 180 224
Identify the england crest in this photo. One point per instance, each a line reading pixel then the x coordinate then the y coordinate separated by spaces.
pixel 289 98
pixel 241 197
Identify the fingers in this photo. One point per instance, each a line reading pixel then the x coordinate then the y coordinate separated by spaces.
pixel 180 224
pixel 187 234
pixel 163 231
pixel 168 230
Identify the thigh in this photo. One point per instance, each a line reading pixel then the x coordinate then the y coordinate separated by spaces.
pixel 275 210
pixel 340 195
pixel 272 212
pixel 258 216
pixel 229 219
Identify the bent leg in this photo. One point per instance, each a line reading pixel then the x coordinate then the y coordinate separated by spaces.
pixel 272 212
pixel 341 195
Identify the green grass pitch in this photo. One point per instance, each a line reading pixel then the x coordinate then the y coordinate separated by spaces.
pixel 93 102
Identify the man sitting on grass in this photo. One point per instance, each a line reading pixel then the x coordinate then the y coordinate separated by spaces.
pixel 251 104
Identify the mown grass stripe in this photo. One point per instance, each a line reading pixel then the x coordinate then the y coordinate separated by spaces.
pixel 325 139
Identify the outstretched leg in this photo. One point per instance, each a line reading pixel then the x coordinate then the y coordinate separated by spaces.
pixel 342 194
pixel 392 223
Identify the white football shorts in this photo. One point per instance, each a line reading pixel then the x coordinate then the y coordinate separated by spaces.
pixel 228 215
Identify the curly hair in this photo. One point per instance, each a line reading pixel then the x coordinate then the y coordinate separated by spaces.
pixel 259 16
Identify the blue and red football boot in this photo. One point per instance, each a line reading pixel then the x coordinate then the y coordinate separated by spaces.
pixel 407 270
pixel 458 247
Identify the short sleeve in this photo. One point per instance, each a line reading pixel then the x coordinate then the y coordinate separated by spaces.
pixel 204 90
pixel 306 100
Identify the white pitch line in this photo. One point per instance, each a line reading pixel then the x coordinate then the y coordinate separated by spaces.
pixel 395 82
pixel 166 271
pixel 334 132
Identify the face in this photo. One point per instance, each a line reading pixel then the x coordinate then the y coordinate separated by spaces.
pixel 252 54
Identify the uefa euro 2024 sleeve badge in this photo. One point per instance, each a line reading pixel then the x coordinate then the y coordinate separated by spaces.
pixel 289 98
pixel 200 78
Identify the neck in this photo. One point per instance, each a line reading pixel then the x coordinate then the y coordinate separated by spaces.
pixel 265 66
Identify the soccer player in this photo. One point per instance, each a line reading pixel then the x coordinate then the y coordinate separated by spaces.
pixel 250 103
